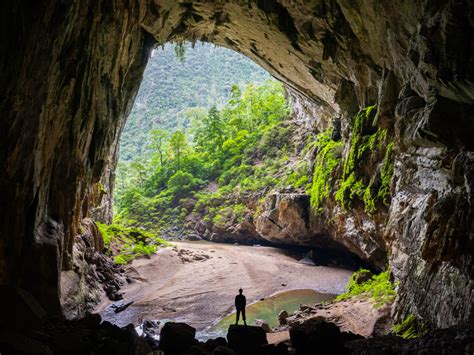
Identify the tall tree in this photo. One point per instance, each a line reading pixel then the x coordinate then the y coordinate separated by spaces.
pixel 158 139
pixel 178 146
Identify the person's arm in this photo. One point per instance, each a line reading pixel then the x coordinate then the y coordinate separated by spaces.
pixel 245 301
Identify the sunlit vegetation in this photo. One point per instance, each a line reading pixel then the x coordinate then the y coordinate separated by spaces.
pixel 379 287
pixel 327 160
pixel 239 148
pixel 126 244
pixel 367 140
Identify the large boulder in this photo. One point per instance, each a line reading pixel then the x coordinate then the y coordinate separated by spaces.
pixel 321 337
pixel 175 338
pixel 246 339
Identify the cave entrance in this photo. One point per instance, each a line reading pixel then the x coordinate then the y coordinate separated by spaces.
pixel 209 153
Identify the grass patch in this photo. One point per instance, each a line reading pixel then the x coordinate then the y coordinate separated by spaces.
pixel 125 244
pixel 378 287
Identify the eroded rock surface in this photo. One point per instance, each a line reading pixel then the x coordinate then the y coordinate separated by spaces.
pixel 93 274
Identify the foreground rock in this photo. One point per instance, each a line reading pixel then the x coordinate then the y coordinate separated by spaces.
pixel 321 337
pixel 176 338
pixel 93 274
pixel 358 315
pixel 25 329
pixel 450 341
pixel 246 339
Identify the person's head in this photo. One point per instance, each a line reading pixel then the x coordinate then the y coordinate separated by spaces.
pixel 240 290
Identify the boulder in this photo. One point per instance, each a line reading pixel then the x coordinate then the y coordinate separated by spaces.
pixel 262 324
pixel 176 338
pixel 318 336
pixel 222 350
pixel 362 276
pixel 150 327
pixel 275 349
pixel 282 316
pixel 246 339
pixel 212 344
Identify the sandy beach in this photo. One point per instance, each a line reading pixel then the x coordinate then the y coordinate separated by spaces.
pixel 196 282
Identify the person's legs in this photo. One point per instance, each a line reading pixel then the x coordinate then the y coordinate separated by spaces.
pixel 243 317
pixel 237 316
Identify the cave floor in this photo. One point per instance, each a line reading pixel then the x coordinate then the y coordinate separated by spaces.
pixel 196 282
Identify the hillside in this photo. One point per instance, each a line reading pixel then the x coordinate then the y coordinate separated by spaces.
pixel 171 85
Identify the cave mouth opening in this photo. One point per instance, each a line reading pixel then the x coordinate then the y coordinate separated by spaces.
pixel 72 71
pixel 210 140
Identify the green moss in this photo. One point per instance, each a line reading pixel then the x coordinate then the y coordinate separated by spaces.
pixel 378 287
pixel 106 236
pixel 101 188
pixel 352 186
pixel 327 160
pixel 369 200
pixel 409 328
pixel 386 174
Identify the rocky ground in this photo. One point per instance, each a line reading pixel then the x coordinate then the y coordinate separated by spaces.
pixel 25 328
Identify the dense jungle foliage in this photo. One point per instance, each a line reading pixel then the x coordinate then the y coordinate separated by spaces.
pixel 239 148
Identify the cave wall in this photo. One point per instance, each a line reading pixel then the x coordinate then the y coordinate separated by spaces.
pixel 70 71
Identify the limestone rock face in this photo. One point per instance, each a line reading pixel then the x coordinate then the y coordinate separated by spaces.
pixel 92 275
pixel 285 219
pixel 70 71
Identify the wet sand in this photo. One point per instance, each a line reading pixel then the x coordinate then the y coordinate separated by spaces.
pixel 196 282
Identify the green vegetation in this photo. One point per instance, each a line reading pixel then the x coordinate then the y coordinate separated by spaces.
pixel 180 84
pixel 242 148
pixel 327 160
pixel 409 328
pixel 199 148
pixel 367 141
pixel 127 244
pixel 378 287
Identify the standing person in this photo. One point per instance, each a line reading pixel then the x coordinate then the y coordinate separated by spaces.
pixel 240 302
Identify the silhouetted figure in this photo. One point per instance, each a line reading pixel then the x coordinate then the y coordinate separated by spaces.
pixel 240 302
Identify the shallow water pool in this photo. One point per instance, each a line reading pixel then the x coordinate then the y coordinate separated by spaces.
pixel 269 308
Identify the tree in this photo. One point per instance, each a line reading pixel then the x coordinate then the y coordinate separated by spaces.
pixel 158 139
pixel 210 135
pixel 178 146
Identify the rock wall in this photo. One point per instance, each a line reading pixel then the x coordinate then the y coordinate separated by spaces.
pixel 69 73
pixel 70 70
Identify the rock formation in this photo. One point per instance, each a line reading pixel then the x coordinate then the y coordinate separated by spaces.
pixel 70 70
